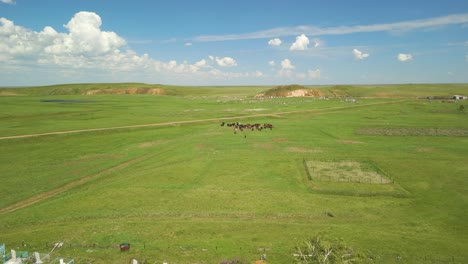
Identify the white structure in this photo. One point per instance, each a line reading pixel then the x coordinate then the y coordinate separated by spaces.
pixel 38 258
pixel 460 97
pixel 13 259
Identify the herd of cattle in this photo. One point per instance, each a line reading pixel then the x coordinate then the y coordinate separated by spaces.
pixel 239 126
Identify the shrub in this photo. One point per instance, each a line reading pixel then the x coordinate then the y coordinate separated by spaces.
pixel 323 251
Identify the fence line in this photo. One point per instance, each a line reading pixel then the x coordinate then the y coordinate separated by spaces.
pixel 246 253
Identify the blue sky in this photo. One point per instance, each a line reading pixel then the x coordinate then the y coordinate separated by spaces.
pixel 260 42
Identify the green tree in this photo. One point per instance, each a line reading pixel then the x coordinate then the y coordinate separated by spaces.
pixel 322 251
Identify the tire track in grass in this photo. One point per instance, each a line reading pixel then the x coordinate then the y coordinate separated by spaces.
pixel 42 196
pixel 277 114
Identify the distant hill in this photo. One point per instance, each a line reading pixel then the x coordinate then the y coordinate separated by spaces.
pixel 132 89
pixel 293 90
pixel 371 91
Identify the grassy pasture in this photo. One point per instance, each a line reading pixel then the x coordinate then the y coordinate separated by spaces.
pixel 195 192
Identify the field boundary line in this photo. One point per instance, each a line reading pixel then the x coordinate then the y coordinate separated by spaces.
pixel 320 111
pixel 42 196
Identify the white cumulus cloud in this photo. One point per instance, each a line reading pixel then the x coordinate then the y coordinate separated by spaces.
pixel 11 2
pixel 18 41
pixel 257 74
pixel 301 43
pixel 226 62
pixel 313 74
pixel 84 51
pixel 317 42
pixel 405 57
pixel 85 37
pixel 201 63
pixel 359 54
pixel 286 68
pixel 274 42
pixel 272 63
pixel 287 65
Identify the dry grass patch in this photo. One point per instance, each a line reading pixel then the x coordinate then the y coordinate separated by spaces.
pixel 346 171
pixel 428 149
pixel 152 143
pixel 413 131
pixel 302 150
pixel 349 141
pixel 280 140
pixel 255 109
pixel 92 157
pixel 263 145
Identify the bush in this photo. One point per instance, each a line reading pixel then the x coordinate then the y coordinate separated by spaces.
pixel 322 251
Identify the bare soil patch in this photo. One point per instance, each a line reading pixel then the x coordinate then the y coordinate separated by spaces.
pixel 154 91
pixel 3 93
pixel 255 109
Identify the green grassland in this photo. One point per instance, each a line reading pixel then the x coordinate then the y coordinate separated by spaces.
pixel 183 189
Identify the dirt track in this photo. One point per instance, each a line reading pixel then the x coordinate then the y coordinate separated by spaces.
pixel 61 189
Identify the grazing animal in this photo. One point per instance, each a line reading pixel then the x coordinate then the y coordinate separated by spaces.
pixel 239 126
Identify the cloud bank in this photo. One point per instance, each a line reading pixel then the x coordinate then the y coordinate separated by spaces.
pixel 11 2
pixel 86 47
pixel 403 26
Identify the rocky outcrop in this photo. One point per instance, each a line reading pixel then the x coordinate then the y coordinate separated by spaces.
pixel 291 91
pixel 154 91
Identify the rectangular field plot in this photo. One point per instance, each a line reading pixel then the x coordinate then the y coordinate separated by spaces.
pixel 355 178
pixel 346 171
pixel 413 131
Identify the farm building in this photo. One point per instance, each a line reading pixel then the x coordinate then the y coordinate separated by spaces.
pixel 460 97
